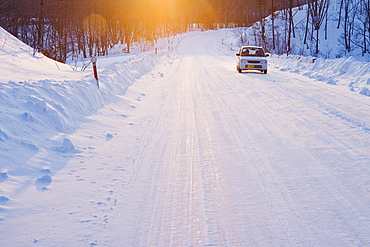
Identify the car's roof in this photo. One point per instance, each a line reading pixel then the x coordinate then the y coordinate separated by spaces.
pixel 250 46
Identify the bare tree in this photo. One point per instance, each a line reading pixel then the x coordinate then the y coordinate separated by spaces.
pixel 362 28
pixel 318 10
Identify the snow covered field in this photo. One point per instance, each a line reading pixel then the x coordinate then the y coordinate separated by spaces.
pixel 179 149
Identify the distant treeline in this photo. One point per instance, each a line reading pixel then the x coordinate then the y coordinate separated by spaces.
pixel 64 29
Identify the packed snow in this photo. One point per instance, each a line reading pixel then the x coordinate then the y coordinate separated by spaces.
pixel 178 149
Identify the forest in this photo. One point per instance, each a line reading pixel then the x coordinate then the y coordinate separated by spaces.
pixel 68 29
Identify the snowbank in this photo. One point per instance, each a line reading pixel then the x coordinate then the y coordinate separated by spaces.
pixel 41 101
pixel 347 72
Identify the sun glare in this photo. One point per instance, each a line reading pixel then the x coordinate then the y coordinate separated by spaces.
pixel 169 11
pixel 95 25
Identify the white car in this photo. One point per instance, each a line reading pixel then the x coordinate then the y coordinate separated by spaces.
pixel 251 58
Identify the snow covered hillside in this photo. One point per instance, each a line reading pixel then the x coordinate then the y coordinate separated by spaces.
pixel 332 65
pixel 178 149
pixel 330 37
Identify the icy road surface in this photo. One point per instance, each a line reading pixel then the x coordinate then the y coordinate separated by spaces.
pixel 197 154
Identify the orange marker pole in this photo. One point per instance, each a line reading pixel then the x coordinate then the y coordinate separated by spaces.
pixel 93 60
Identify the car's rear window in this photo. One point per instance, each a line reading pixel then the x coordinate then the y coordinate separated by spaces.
pixel 252 51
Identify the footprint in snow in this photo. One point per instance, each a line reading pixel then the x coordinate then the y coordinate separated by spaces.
pixel 90 137
pixel 3 200
pixel 67 147
pixel 42 182
pixel 46 171
pixel 3 176
pixel 108 137
pixel 27 116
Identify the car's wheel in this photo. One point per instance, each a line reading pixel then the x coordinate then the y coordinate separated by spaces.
pixel 238 69
pixel 265 71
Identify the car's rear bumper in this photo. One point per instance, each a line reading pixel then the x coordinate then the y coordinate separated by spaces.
pixel 245 65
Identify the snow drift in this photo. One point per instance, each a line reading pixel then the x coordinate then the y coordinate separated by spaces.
pixel 347 72
pixel 41 100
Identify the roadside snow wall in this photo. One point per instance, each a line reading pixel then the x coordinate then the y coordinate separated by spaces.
pixel 344 71
pixel 32 110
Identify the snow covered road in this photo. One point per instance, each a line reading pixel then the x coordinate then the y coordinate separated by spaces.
pixel 248 159
pixel 200 155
